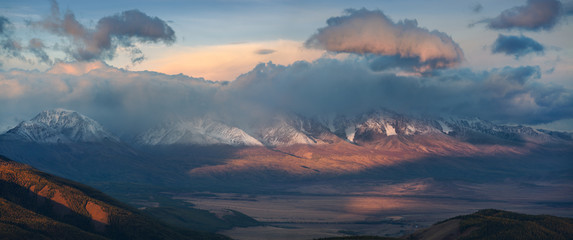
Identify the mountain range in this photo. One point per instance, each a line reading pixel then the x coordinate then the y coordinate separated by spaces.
pixel 72 145
pixel 66 126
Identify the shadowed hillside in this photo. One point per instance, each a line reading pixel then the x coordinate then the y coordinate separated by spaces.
pixel 36 205
pixel 497 224
pixel 489 224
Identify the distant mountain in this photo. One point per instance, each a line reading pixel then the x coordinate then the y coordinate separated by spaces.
pixel 65 126
pixel 36 205
pixel 364 129
pixel 291 129
pixel 69 144
pixel 197 132
pixel 489 224
pixel 60 126
pixel 377 125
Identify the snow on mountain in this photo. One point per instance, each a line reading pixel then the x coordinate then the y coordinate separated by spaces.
pixel 378 124
pixel 65 126
pixel 389 124
pixel 286 130
pixel 282 130
pixel 61 126
pixel 462 127
pixel 199 131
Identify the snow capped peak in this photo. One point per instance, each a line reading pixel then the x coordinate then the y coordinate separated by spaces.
pixel 291 129
pixel 202 131
pixel 283 131
pixel 61 126
pixel 66 126
pixel 378 124
pixel 59 117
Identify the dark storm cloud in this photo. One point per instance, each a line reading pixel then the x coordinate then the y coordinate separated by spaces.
pixel 328 87
pixel 517 46
pixel 100 43
pixel 371 32
pixel 535 15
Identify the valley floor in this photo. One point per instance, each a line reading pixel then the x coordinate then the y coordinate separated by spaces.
pixel 382 209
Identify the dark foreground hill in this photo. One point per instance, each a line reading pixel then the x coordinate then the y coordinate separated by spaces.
pixel 490 224
pixel 36 205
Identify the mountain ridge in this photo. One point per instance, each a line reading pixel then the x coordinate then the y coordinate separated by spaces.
pixel 66 126
pixel 288 145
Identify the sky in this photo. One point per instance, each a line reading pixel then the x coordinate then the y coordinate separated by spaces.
pixel 505 61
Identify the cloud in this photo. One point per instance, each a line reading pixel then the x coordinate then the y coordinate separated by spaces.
pixel 534 16
pixel 568 8
pixel 131 101
pixel 12 48
pixel 477 8
pixel 100 43
pixel 224 62
pixel 371 32
pixel 8 46
pixel 265 51
pixel 77 69
pixel 36 46
pixel 4 22
pixel 122 100
pixel 517 46
pixel 330 87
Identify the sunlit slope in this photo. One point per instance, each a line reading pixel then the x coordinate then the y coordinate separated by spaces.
pixel 43 206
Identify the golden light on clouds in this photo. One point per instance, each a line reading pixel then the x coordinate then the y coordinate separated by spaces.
pixel 77 68
pixel 226 62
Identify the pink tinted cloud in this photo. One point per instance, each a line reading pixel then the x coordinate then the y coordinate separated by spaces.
pixel 371 32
